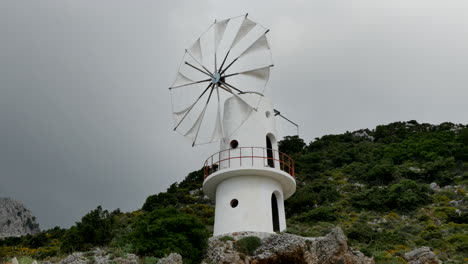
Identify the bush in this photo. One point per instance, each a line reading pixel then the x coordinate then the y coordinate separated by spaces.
pixel 360 231
pixel 226 238
pixel 248 245
pixel 151 260
pixel 323 214
pixel 407 195
pixel 164 231
pixel 460 241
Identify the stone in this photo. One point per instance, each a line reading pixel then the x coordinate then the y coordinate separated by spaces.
pixel 129 259
pixel 14 261
pixel 75 258
pixel 422 255
pixel 434 186
pixel 173 258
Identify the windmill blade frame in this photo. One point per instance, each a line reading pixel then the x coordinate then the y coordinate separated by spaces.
pixel 240 38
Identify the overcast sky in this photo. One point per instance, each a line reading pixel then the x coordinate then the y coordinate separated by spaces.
pixel 85 111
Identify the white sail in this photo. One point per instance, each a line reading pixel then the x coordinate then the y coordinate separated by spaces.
pixel 220 28
pixel 178 116
pixel 196 52
pixel 260 73
pixel 218 132
pixel 260 44
pixel 246 26
pixel 192 133
pixel 181 79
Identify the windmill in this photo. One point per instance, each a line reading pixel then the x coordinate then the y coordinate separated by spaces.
pixel 218 96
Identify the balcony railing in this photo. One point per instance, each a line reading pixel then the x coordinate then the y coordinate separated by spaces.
pixel 245 157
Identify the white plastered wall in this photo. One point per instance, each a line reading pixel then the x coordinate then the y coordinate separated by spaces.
pixel 253 212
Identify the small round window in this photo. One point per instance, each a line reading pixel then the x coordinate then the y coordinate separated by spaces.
pixel 234 144
pixel 234 203
pixel 267 114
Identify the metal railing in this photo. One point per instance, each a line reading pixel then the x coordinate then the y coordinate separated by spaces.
pixel 254 157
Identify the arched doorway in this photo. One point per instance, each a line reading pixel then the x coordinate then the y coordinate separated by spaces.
pixel 269 146
pixel 275 213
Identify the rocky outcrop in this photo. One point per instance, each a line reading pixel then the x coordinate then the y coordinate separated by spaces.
pixel 15 219
pixel 422 255
pixel 173 258
pixel 286 248
pixel 96 256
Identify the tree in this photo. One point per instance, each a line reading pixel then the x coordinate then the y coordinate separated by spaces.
pixel 291 144
pixel 96 228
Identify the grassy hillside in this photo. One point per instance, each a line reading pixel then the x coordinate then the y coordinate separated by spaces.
pixel 391 189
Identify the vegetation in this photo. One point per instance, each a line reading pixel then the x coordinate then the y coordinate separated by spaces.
pixel 372 183
pixel 168 230
pixel 248 244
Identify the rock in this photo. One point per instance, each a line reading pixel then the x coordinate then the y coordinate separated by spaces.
pixel 434 186
pixel 129 259
pixel 34 262
pixel 415 169
pixel 422 255
pixel 98 256
pixel 287 248
pixel 16 220
pixel 75 258
pixel 14 261
pixel 173 258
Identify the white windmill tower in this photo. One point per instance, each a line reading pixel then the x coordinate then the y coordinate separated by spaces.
pixel 218 96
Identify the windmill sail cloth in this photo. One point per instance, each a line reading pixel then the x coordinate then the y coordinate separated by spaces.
pixel 192 133
pixel 261 44
pixel 260 73
pixel 178 116
pixel 220 28
pixel 242 112
pixel 218 132
pixel 181 79
pixel 246 26
pixel 196 51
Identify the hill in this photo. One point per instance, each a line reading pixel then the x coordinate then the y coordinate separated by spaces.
pixel 390 189
pixel 15 219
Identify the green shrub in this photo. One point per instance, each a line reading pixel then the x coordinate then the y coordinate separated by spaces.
pixel 323 214
pixel 151 260
pixel 460 241
pixel 226 238
pixel 95 229
pixel 25 260
pixel 164 231
pixel 407 195
pixel 431 232
pixel 248 245
pixel 362 232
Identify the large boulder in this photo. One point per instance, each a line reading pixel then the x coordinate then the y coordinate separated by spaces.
pixel 422 255
pixel 286 248
pixel 173 258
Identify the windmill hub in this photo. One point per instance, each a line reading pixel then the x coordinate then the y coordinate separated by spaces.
pixel 216 78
